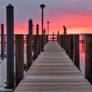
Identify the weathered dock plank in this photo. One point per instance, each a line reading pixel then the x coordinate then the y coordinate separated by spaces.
pixel 53 71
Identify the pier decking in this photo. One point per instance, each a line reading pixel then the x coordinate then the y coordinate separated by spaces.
pixel 53 71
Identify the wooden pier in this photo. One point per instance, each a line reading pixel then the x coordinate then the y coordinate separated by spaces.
pixel 53 71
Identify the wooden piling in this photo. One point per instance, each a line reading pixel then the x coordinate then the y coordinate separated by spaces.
pixel 37 29
pixel 68 45
pixel 40 43
pixel 44 39
pixel 2 41
pixel 88 65
pixel 76 51
pixel 71 47
pixel 64 42
pixel 36 46
pixel 53 37
pixel 19 39
pixel 29 50
pixel 30 26
pixel 10 46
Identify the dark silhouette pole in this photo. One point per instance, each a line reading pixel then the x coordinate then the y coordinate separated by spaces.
pixel 53 36
pixel 65 30
pixel 58 33
pixel 42 7
pixel 19 58
pixel 37 29
pixel 30 26
pixel 2 41
pixel 48 27
pixel 29 44
pixel 10 46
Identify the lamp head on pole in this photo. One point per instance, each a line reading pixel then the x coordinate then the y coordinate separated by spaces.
pixel 42 6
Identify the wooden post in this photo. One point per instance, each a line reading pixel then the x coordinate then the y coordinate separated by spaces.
pixel 29 44
pixel 30 26
pixel 76 51
pixel 10 46
pixel 2 41
pixel 71 47
pixel 37 29
pixel 58 37
pixel 53 36
pixel 36 46
pixel 19 58
pixel 47 38
pixel 88 65
pixel 29 50
pixel 62 41
pixel 68 45
pixel 36 43
pixel 40 42
pixel 44 39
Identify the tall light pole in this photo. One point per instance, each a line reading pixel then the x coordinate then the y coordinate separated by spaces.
pixel 42 7
pixel 48 27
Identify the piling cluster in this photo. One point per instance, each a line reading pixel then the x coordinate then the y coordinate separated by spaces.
pixel 15 47
pixel 71 45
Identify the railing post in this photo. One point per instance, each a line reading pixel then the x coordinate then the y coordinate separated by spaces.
pixel 61 38
pixel 44 37
pixel 29 44
pixel 40 42
pixel 76 51
pixel 36 46
pixel 30 26
pixel 68 45
pixel 19 39
pixel 53 36
pixel 36 43
pixel 71 47
pixel 37 29
pixel 64 42
pixel 88 65
pixel 29 51
pixel 10 46
pixel 2 41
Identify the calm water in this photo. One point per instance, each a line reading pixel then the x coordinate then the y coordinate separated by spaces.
pixel 3 63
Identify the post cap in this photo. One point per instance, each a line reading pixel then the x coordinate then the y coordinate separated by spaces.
pixel 10 6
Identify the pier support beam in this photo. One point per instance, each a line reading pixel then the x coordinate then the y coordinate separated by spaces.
pixel 36 43
pixel 10 46
pixel 88 65
pixel 71 47
pixel 19 58
pixel 29 50
pixel 53 37
pixel 76 51
pixel 29 44
pixel 2 41
pixel 30 26
pixel 37 29
pixel 36 46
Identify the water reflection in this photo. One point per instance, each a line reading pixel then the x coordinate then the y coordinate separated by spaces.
pixel 82 54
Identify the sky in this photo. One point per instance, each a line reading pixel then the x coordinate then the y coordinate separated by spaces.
pixel 76 15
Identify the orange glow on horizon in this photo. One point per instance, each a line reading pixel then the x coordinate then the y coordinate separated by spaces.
pixel 75 23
